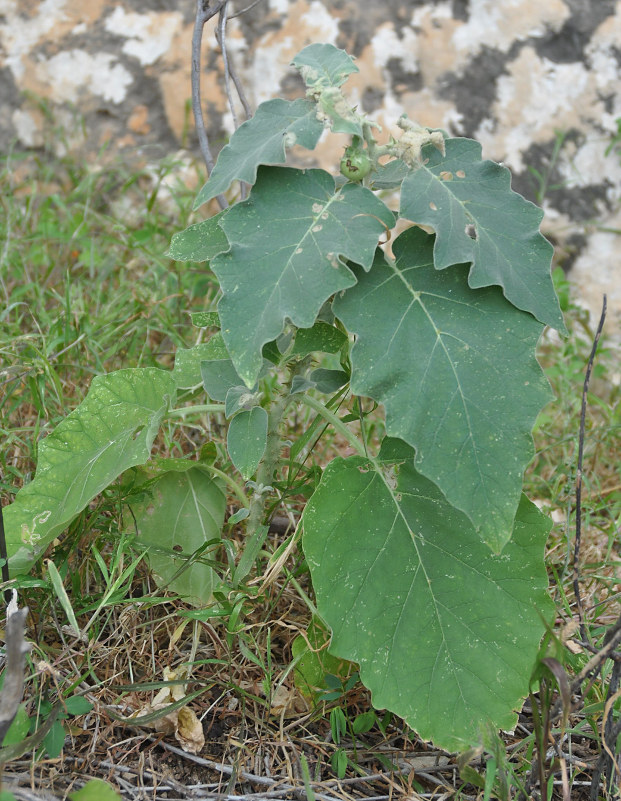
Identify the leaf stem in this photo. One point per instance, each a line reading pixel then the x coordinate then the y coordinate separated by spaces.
pixel 336 421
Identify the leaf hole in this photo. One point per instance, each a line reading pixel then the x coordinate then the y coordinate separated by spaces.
pixel 471 231
pixel 433 206
pixel 177 548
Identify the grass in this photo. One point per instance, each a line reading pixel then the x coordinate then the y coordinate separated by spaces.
pixel 86 289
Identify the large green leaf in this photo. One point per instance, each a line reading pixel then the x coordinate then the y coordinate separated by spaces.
pixel 288 241
pixel 455 369
pixel 276 124
pixel 445 633
pixel 478 218
pixel 110 431
pixel 180 511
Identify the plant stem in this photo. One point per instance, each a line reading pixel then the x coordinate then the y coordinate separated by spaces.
pixel 336 421
pixel 269 461
pixel 198 409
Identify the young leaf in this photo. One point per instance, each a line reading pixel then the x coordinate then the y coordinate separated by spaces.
pixel 456 371
pixel 480 220
pixel 262 140
pixel 445 633
pixel 219 376
pixel 287 247
pixel 110 431
pixel 246 440
pixel 323 65
pixel 95 790
pixel 180 512
pixel 187 370
pixel 200 242
pixel 321 337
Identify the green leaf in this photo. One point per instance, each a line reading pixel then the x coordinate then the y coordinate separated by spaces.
pixel 479 219
pixel 288 244
pixel 456 371
pixel 314 663
pixel 323 65
pixel 390 175
pixel 321 337
pixel 187 370
pixel 246 440
pixel 445 633
pixel 276 124
pixel 55 739
pixel 200 242
pixel 179 514
pixel 95 790
pixel 329 381
pixel 78 705
pixel 19 728
pixel 110 431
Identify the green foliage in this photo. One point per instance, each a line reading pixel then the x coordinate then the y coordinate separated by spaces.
pixel 426 560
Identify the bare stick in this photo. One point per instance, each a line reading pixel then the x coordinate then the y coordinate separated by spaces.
pixel 203 14
pixel 230 73
pixel 585 390
pixel 13 687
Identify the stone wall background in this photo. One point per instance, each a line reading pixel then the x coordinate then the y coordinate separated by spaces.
pixel 537 83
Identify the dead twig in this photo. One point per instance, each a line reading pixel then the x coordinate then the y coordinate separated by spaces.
pixel 585 389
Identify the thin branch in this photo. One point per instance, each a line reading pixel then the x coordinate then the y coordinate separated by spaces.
pixel 203 14
pixel 244 10
pixel 585 389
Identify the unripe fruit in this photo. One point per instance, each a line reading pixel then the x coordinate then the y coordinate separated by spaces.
pixel 355 164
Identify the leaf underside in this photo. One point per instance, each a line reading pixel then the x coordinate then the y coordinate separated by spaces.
pixel 110 431
pixel 479 219
pixel 445 633
pixel 262 140
pixel 288 244
pixel 456 371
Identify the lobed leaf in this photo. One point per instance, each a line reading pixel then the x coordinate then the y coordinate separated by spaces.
pixel 110 431
pixel 288 245
pixel 276 124
pixel 456 371
pixel 480 220
pixel 445 633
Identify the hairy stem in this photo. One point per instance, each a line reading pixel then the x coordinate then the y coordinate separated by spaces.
pixel 268 465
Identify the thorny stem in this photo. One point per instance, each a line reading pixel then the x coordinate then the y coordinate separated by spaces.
pixel 269 462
